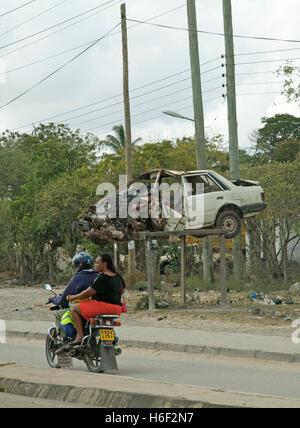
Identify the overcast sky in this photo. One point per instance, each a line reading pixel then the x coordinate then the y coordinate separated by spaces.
pixel 91 85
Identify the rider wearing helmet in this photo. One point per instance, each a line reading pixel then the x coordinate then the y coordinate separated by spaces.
pixel 82 279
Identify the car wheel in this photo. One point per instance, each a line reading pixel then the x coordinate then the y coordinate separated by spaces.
pixel 231 222
pixel 167 269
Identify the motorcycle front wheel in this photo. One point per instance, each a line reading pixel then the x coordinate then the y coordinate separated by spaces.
pixel 50 348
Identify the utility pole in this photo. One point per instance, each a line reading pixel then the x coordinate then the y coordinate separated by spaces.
pixel 131 247
pixel 126 93
pixel 232 124
pixel 196 82
pixel 199 119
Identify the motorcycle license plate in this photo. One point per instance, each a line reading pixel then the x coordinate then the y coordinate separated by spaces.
pixel 107 334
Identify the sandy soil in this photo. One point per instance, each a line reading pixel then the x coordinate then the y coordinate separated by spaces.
pixel 244 314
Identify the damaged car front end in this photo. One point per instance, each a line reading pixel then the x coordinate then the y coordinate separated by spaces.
pixel 165 200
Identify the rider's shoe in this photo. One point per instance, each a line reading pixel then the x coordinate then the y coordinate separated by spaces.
pixel 76 343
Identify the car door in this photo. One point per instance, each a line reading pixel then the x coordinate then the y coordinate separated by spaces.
pixel 203 199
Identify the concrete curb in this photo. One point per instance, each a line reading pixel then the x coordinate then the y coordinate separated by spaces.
pixel 214 350
pixel 109 391
pixel 93 396
pixel 196 349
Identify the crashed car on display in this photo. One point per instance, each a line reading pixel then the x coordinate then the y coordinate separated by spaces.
pixel 163 200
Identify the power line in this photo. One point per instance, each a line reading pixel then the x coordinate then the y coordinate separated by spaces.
pixel 62 29
pixel 260 93
pixel 218 113
pixel 21 67
pixel 270 60
pixel 80 46
pixel 55 32
pixel 55 25
pixel 136 105
pixel 266 52
pixel 32 18
pixel 119 95
pixel 155 99
pixel 142 95
pixel 213 33
pixel 259 83
pixel 58 69
pixel 148 111
pixel 133 106
pixel 16 8
pixel 254 72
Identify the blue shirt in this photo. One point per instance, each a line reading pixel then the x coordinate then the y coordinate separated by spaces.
pixel 78 283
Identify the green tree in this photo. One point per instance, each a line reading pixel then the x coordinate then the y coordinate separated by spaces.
pixel 50 152
pixel 272 231
pixel 277 140
pixel 291 88
pixel 117 142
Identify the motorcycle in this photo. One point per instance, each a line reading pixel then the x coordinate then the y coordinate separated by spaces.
pixel 98 349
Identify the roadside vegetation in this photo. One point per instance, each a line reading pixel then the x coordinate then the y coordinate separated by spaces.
pixel 49 177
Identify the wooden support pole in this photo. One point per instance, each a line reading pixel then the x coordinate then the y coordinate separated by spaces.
pixel 116 255
pixel 223 271
pixel 126 93
pixel 127 117
pixel 183 270
pixel 150 273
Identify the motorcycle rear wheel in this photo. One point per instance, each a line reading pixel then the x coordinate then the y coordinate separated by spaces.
pixel 92 358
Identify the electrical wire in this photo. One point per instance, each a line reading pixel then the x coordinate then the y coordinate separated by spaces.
pixel 266 52
pixel 60 30
pixel 45 37
pixel 32 18
pixel 148 111
pixel 137 105
pixel 16 8
pixel 260 83
pixel 266 61
pixel 218 113
pixel 55 25
pixel 85 44
pixel 212 33
pixel 260 93
pixel 58 69
pixel 118 95
pixel 139 96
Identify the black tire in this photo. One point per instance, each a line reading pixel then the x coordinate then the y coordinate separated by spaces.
pixel 50 348
pixel 230 221
pixel 92 357
pixel 167 269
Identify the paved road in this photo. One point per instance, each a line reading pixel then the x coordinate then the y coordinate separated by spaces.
pixel 281 379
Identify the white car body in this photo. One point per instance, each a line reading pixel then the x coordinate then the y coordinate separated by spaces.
pixel 246 197
pixel 202 199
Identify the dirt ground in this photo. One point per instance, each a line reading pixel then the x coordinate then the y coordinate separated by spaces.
pixel 244 314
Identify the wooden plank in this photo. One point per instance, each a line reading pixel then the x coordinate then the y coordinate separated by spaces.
pixel 183 270
pixel 223 271
pixel 150 274
pixel 161 234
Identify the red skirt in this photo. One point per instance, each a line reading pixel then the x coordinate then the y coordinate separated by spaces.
pixel 94 308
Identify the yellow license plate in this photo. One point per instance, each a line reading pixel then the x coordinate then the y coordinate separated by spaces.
pixel 107 334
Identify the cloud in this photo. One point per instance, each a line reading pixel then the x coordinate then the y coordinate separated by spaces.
pixel 154 54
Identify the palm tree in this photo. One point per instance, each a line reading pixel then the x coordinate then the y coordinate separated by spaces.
pixel 118 142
